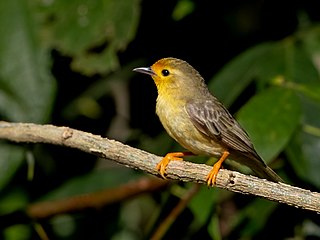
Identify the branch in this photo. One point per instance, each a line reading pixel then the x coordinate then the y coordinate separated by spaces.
pixel 177 170
pixel 94 200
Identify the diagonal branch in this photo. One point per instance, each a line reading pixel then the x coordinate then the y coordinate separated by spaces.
pixel 177 170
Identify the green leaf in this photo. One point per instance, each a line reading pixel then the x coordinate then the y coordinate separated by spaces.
pixel 311 43
pixel 26 85
pixel 63 225
pixel 293 61
pixel 90 182
pixel 201 204
pixel 270 118
pixel 91 63
pixel 90 31
pixel 254 217
pixel 303 151
pixel 18 232
pixel 235 76
pixel 183 9
pixel 311 91
pixel 264 63
pixel 11 159
pixel 13 200
pixel 214 227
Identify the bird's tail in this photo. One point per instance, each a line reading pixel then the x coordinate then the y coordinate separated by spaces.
pixel 257 165
pixel 268 173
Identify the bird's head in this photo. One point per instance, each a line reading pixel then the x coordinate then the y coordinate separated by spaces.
pixel 172 74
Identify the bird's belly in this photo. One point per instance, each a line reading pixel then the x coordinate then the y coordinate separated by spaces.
pixel 179 127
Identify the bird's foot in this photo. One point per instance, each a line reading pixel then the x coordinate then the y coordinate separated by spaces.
pixel 212 176
pixel 176 156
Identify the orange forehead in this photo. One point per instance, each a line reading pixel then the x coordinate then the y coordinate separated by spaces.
pixel 164 63
pixel 159 65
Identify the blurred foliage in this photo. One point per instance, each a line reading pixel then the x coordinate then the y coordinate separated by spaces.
pixel 69 63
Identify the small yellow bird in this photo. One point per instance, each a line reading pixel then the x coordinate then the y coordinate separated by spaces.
pixel 198 121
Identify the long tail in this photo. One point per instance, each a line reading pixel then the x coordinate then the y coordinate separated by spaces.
pixel 267 172
pixel 258 166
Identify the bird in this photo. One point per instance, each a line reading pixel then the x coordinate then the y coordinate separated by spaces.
pixel 198 121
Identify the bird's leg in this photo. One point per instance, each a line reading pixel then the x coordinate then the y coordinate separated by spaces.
pixel 211 178
pixel 175 156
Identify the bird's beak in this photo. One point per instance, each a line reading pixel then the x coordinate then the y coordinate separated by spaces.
pixel 145 70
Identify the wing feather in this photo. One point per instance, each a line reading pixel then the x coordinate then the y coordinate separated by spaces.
pixel 212 119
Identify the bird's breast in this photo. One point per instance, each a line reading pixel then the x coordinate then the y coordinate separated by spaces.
pixel 176 121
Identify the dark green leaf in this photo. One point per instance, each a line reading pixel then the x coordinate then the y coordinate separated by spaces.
pixel 13 200
pixel 270 118
pixel 183 9
pixel 11 158
pixel 90 31
pixel 303 150
pixel 264 63
pixel 303 153
pixel 26 86
pixel 311 91
pixel 202 204
pixel 302 69
pixel 311 43
pixel 235 76
pixel 93 181
pixel 18 232
pixel 254 217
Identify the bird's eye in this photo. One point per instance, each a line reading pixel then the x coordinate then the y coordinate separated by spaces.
pixel 165 72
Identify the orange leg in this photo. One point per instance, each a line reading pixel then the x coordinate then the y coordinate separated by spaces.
pixel 176 156
pixel 211 178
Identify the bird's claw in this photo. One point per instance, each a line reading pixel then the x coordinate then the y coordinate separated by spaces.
pixel 162 165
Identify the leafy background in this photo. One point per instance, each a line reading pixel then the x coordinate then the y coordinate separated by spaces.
pixel 70 63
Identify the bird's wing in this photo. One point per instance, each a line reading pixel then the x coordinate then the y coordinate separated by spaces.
pixel 212 119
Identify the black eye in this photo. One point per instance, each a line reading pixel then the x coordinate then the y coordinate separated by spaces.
pixel 165 72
